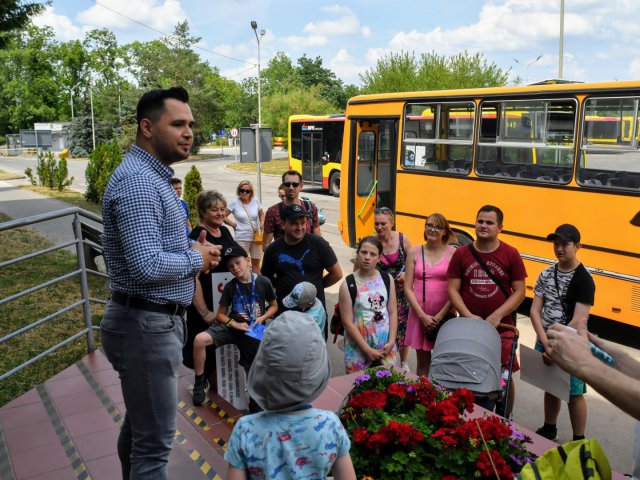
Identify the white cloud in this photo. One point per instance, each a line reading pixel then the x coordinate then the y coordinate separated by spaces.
pixel 161 15
pixel 62 25
pixel 634 69
pixel 346 23
pixel 302 42
pixel 345 66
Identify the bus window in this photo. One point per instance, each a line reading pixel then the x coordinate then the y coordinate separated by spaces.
pixel 609 155
pixel 529 140
pixel 366 156
pixel 438 137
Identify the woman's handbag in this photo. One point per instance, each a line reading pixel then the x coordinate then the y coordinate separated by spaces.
pixel 257 233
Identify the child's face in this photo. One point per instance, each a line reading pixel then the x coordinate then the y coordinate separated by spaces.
pixel 238 266
pixel 178 188
pixel 565 251
pixel 306 306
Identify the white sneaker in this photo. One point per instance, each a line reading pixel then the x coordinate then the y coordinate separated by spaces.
pixel 405 366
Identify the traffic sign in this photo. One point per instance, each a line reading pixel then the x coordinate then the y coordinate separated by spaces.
pixel 234 132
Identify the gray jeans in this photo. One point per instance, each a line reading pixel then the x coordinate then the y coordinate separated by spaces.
pixel 145 348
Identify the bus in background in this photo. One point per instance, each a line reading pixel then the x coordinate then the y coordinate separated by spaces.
pixel 315 142
pixel 544 154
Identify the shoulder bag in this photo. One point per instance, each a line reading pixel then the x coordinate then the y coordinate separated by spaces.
pixel 257 234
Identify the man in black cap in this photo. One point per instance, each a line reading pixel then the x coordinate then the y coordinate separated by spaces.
pixel 564 294
pixel 298 257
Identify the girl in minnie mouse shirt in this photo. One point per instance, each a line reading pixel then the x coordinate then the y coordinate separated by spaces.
pixel 371 322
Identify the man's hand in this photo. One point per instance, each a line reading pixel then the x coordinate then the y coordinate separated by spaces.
pixel 211 254
pixel 242 326
pixel 568 349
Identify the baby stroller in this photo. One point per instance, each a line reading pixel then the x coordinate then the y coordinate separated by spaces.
pixel 467 355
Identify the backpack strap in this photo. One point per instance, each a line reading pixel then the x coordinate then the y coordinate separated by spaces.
pixel 351 285
pixel 387 282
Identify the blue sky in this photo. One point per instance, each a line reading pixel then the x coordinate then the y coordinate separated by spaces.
pixel 600 37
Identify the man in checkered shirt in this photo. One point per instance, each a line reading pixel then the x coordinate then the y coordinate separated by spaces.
pixel 152 266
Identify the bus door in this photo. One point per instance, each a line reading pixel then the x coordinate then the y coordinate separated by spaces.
pixel 312 158
pixel 373 153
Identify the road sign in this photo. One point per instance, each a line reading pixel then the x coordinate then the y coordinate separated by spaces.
pixel 234 132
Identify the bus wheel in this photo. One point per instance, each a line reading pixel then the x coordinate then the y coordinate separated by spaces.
pixel 334 184
pixel 462 238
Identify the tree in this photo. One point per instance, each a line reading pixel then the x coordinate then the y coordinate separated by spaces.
pixel 280 75
pixel 102 163
pixel 400 72
pixel 311 72
pixel 192 187
pixel 15 15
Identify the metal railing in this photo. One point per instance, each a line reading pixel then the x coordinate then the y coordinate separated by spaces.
pixel 82 247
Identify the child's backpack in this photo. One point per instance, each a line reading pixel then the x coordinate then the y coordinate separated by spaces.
pixel 580 459
pixel 335 326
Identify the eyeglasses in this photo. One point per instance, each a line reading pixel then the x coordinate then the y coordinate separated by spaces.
pixel 244 191
pixel 291 184
pixel 382 210
pixel 435 228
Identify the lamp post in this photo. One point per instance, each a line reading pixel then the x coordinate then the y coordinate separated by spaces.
pixel 527 66
pixel 254 26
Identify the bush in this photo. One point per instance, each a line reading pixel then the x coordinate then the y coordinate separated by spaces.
pixel 102 163
pixel 192 187
pixel 50 172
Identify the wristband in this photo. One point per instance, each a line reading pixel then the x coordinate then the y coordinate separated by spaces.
pixel 230 320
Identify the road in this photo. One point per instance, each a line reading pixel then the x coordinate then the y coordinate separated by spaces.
pixel 609 425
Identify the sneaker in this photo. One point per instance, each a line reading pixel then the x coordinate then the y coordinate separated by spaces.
pixel 200 389
pixel 550 433
pixel 405 366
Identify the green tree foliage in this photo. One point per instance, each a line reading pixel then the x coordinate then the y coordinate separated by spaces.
pixel 192 187
pixel 102 163
pixel 400 72
pixel 280 76
pixel 50 173
pixel 278 108
pixel 80 137
pixel 15 15
pixel 311 72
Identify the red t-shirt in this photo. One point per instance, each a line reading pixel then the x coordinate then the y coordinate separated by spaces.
pixel 273 222
pixel 479 293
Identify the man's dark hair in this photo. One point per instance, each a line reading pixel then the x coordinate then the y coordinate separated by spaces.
pixel 292 172
pixel 492 208
pixel 176 181
pixel 151 104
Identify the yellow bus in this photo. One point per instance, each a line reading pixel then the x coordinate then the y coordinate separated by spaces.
pixel 315 143
pixel 545 154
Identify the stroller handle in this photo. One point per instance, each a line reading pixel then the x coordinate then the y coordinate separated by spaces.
pixel 511 328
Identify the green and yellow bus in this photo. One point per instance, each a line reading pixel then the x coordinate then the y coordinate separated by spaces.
pixel 545 154
pixel 315 143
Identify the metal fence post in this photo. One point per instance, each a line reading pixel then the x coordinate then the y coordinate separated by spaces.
pixel 84 284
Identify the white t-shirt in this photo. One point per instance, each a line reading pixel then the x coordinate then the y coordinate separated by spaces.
pixel 244 231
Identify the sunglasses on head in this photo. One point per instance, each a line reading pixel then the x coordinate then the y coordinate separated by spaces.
pixel 242 190
pixel 382 210
pixel 291 184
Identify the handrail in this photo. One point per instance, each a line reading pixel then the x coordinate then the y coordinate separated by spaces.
pixel 375 183
pixel 80 272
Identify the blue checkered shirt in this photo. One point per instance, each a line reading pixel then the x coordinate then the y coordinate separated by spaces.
pixel 146 250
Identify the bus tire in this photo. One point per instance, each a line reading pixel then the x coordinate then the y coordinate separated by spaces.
pixel 334 184
pixel 462 238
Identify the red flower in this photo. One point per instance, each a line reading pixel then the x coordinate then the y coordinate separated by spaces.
pixel 445 412
pixel 397 390
pixel 486 468
pixel 449 477
pixel 493 428
pixel 377 440
pixel 464 398
pixel 446 436
pixel 368 399
pixel 360 435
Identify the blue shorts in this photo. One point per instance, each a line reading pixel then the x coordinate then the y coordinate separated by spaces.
pixel 576 386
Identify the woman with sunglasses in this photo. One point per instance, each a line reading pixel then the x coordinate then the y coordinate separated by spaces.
pixel 392 260
pixel 249 222
pixel 426 288
pixel 370 321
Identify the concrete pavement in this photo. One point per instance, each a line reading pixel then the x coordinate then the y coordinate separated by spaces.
pixel 607 423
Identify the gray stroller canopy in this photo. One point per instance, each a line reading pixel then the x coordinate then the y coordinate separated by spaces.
pixel 467 355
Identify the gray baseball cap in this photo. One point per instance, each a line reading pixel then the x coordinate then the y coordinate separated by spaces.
pixel 292 367
pixel 301 295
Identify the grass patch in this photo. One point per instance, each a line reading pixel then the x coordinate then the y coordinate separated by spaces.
pixel 274 167
pixel 26 310
pixel 10 176
pixel 68 196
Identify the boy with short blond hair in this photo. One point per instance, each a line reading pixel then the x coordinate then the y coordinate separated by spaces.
pixel 246 301
pixel 564 293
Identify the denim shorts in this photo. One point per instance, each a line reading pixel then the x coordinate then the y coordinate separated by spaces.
pixel 576 386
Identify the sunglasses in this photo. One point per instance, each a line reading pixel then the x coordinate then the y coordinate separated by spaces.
pixel 382 210
pixel 244 191
pixel 291 184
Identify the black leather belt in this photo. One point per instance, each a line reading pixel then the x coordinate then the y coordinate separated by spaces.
pixel 142 304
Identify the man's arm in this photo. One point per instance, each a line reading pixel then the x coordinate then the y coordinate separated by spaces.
pixel 267 237
pixel 454 295
pixel 510 304
pixel 620 385
pixel 315 221
pixel 334 274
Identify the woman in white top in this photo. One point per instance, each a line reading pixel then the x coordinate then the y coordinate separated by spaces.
pixel 249 220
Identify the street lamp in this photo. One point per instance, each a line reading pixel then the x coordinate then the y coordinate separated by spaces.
pixel 527 66
pixel 254 26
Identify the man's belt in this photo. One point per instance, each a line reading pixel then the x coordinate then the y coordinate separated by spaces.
pixel 142 304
